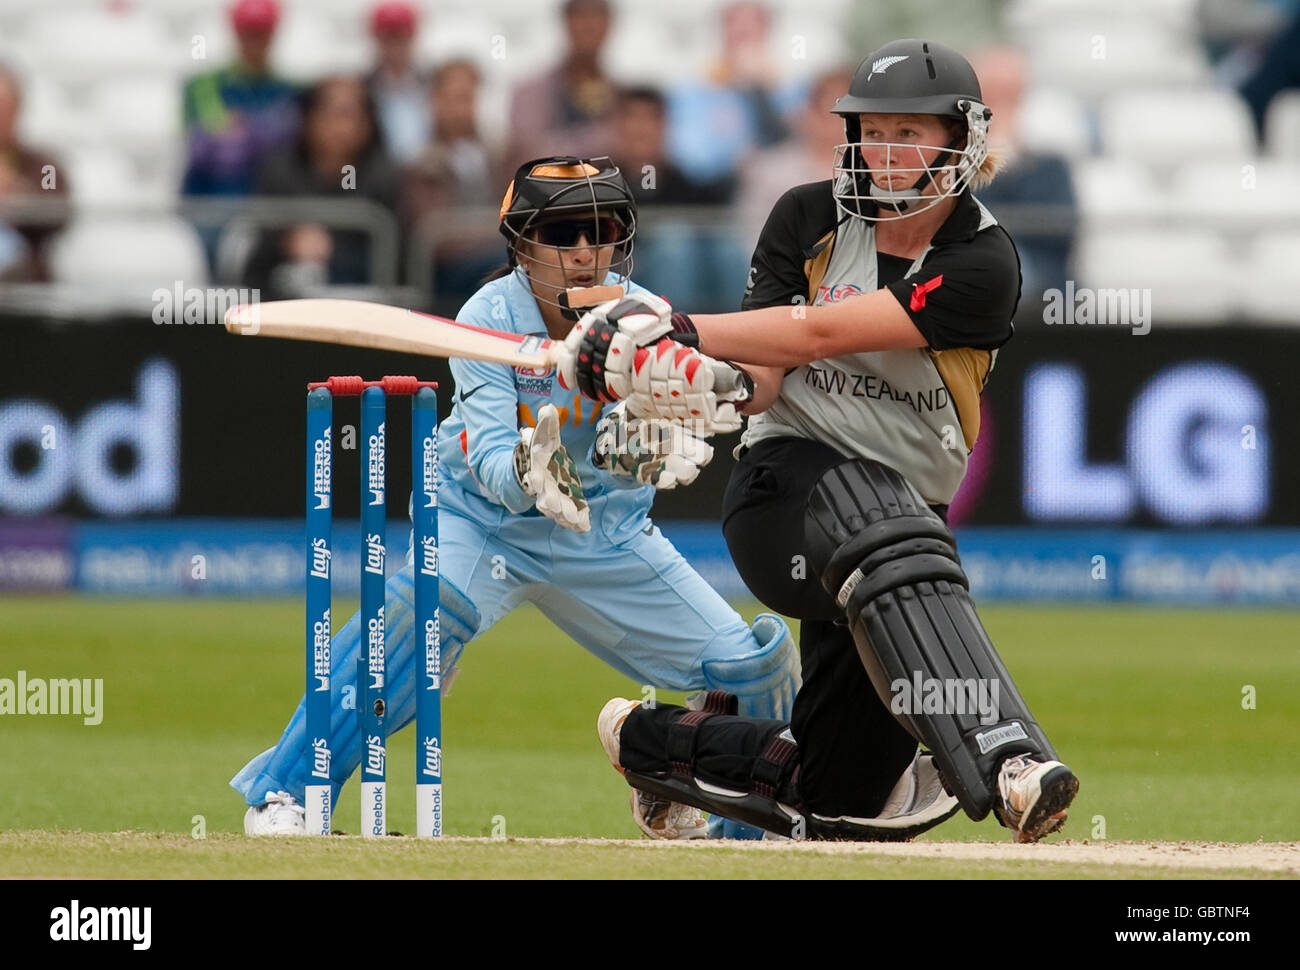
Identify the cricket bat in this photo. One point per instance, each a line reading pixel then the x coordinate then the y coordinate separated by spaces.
pixel 356 323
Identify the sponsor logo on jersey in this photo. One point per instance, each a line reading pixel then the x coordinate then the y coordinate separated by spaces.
pixel 838 292
pixel 834 381
pixel 534 380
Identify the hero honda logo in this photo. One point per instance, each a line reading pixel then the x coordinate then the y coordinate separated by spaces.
pixel 322 469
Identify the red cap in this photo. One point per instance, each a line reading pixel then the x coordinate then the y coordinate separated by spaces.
pixel 254 16
pixel 393 17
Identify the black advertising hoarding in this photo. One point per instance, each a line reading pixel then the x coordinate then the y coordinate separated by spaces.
pixel 1177 427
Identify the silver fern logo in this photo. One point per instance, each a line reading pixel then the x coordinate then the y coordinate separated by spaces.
pixel 883 64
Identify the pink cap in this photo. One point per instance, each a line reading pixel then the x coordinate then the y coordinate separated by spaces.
pixel 393 17
pixel 254 16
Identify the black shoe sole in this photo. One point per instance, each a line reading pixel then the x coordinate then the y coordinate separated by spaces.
pixel 1048 816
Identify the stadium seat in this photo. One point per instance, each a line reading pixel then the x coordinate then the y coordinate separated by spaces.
pixel 99 43
pixel 1053 120
pixel 1241 196
pixel 1270 291
pixel 1116 191
pixel 128 258
pixel 1282 126
pixel 139 115
pixel 1098 57
pixel 1027 17
pixel 306 48
pixel 1162 128
pixel 100 176
pixel 48 119
pixel 1191 274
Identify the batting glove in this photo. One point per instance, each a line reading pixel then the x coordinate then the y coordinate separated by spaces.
pixel 546 471
pixel 618 351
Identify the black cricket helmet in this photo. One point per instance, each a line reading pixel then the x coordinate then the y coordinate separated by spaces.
pixel 910 77
pixel 561 201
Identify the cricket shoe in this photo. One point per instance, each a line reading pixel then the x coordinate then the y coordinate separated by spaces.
pixel 918 800
pixel 280 815
pixel 1034 796
pixel 917 803
pixel 656 817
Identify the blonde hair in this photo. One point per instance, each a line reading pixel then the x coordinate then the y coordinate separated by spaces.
pixel 993 163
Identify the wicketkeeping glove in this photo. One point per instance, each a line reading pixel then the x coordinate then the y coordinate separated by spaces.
pixel 546 471
pixel 619 351
pixel 649 451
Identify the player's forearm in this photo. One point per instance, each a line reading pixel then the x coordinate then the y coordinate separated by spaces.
pixel 767 387
pixel 788 336
pixel 495 472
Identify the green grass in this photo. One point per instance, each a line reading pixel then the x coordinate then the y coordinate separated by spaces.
pixel 1145 705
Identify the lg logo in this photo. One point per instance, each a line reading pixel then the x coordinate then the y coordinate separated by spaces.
pixel 43 455
pixel 1196 449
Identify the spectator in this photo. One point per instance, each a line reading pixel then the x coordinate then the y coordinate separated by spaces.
pixel 640 150
pixel 400 92
pixel 456 168
pixel 1235 34
pixel 25 173
pixel 1044 234
pixel 237 115
pixel 568 110
pixel 338 153
pixel 693 260
pixel 805 158
pixel 1278 70
pixel 716 123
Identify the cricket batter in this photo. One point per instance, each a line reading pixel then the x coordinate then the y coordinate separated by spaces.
pixel 876 305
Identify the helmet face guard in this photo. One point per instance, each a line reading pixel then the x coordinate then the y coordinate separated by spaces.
pixel 910 186
pixel 561 205
pixel 909 77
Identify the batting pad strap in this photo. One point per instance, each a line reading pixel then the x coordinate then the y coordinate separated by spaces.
pixel 681 742
pixel 774 767
pixel 715 702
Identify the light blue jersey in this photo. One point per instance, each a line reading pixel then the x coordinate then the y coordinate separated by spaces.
pixel 493 401
pixel 622 590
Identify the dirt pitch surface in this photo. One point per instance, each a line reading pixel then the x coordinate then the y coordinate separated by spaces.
pixel 142 855
pixel 1278 857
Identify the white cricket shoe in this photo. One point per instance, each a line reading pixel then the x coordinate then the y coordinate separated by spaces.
pixel 281 815
pixel 917 803
pixel 1034 796
pixel 657 817
pixel 610 722
pixel 918 800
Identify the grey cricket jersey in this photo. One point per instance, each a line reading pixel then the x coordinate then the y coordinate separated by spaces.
pixel 916 410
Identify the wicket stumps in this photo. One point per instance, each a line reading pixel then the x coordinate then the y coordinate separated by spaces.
pixel 371 696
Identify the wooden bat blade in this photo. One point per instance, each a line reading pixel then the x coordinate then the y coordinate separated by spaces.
pixel 356 323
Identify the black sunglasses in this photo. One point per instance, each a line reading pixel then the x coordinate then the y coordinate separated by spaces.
pixel 605 231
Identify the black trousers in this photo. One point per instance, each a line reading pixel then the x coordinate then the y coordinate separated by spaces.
pixel 851 749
